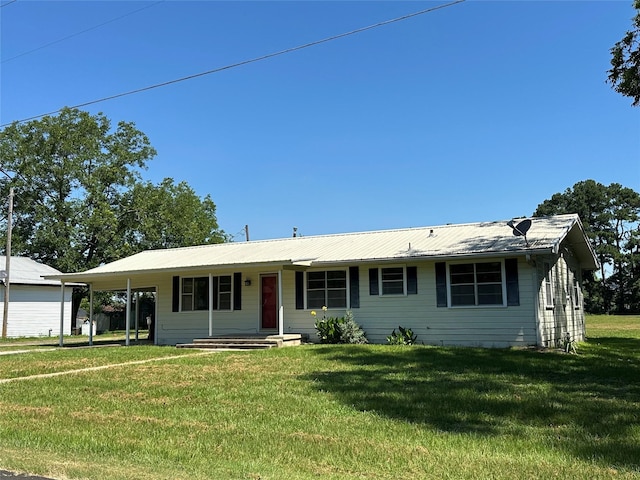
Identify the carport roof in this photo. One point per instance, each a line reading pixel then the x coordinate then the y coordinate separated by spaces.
pixel 481 239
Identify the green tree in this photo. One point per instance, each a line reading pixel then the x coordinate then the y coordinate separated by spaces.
pixel 171 215
pixel 624 75
pixel 79 197
pixel 610 215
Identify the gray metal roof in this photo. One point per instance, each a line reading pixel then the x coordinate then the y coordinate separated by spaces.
pixel 445 241
pixel 24 271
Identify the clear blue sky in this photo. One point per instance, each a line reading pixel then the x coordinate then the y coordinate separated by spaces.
pixel 478 111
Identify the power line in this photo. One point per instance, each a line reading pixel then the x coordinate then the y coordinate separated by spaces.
pixel 8 3
pixel 246 62
pixel 78 33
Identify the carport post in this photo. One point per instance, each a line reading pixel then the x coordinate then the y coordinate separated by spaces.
pixel 211 304
pixel 128 314
pixel 137 318
pixel 91 314
pixel 61 342
pixel 280 305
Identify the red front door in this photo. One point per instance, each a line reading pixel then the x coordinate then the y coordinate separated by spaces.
pixel 269 301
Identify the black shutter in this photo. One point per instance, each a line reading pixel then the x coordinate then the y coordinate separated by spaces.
pixel 441 284
pixel 215 293
pixel 175 302
pixel 513 290
pixel 237 291
pixel 373 282
pixel 412 280
pixel 299 290
pixel 354 286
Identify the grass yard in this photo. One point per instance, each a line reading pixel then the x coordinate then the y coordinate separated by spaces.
pixel 334 412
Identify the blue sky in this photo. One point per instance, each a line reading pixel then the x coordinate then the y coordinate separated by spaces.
pixel 477 111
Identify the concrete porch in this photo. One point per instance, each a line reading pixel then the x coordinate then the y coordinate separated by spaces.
pixel 244 342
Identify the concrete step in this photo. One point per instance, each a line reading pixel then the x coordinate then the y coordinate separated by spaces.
pixel 227 346
pixel 244 342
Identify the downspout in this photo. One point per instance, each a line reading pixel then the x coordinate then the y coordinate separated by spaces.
pixel 61 340
pixel 280 305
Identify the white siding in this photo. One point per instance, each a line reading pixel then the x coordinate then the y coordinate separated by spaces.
pixel 34 311
pixel 566 315
pixel 378 315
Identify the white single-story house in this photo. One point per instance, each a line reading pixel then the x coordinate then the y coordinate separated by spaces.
pixel 478 284
pixel 34 307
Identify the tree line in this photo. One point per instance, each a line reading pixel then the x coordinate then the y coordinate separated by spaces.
pixel 610 216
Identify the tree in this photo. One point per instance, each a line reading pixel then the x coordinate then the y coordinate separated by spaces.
pixel 610 216
pixel 624 75
pixel 79 198
pixel 169 215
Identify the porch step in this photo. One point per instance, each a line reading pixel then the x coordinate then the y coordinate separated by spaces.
pixel 243 343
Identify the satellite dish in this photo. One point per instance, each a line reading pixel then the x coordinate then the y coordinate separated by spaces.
pixel 521 229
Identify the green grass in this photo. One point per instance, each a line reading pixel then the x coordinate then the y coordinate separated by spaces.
pixel 336 412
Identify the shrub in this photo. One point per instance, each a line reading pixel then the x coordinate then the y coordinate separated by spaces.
pixel 329 329
pixel 404 336
pixel 339 329
pixel 351 332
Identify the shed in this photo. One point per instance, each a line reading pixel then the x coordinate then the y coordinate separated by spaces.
pixel 34 302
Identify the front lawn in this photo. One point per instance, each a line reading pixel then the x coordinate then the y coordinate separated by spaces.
pixel 336 412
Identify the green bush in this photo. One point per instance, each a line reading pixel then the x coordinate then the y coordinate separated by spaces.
pixel 339 329
pixel 404 336
pixel 329 329
pixel 351 332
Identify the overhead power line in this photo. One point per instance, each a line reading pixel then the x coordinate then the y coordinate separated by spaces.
pixel 8 3
pixel 78 33
pixel 252 60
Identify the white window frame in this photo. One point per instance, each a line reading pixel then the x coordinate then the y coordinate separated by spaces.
pixel 547 285
pixel 326 289
pixel 503 284
pixel 381 281
pixel 577 293
pixel 218 293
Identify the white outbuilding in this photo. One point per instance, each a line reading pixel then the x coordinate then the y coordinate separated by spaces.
pixel 34 308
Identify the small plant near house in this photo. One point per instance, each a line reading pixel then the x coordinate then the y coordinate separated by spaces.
pixel 351 332
pixel 567 343
pixel 338 329
pixel 404 336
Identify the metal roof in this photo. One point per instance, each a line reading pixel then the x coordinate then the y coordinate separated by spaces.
pixel 24 271
pixel 445 241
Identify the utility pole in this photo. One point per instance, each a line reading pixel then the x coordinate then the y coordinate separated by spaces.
pixel 7 266
pixel 246 232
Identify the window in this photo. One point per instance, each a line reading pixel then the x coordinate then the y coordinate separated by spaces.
pixel 223 293
pixel 392 280
pixel 476 284
pixel 548 285
pixel 576 294
pixel 195 293
pixel 327 289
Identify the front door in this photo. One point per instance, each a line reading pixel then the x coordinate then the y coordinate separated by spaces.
pixel 269 289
